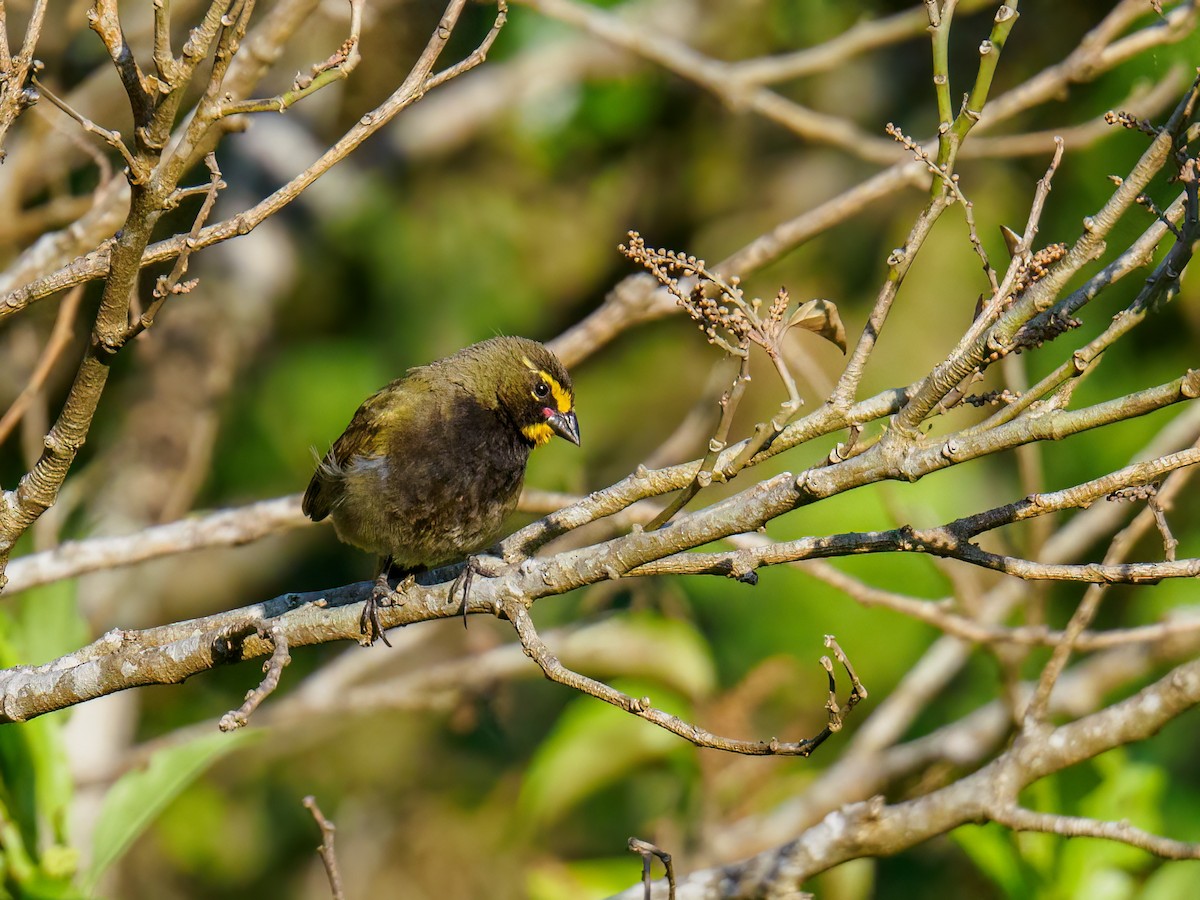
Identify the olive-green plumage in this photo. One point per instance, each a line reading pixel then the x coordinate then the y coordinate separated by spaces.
pixel 431 465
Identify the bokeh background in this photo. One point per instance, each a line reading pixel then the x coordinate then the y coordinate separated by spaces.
pixel 495 206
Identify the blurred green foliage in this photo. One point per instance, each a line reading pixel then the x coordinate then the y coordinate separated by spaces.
pixel 36 858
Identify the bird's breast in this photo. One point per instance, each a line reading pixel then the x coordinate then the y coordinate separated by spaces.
pixel 440 492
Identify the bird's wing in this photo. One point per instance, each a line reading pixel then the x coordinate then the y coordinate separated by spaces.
pixel 360 439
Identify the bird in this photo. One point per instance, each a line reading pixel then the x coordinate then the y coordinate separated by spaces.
pixel 432 464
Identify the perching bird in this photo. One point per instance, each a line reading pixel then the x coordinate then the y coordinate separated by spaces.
pixel 430 466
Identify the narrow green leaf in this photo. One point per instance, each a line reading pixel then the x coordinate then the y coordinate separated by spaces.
pixel 47 623
pixel 592 746
pixel 138 797
pixel 991 849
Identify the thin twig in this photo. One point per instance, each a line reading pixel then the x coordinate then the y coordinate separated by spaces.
pixel 158 176
pixel 1020 819
pixel 170 285
pixel 60 338
pixel 866 34
pixel 337 67
pixel 719 78
pixel 273 669
pixel 647 852
pixel 1170 542
pixel 112 138
pixel 718 442
pixel 15 73
pixel 550 665
pixel 954 539
pixel 326 850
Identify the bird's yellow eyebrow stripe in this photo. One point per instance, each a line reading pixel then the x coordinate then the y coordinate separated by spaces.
pixel 562 397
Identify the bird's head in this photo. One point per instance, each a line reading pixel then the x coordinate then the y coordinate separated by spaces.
pixel 534 388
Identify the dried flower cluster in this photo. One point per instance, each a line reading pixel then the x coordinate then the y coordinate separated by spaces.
pixel 1128 120
pixel 1036 268
pixel 1043 329
pixel 1137 492
pixel 723 318
pixel 992 398
pixel 720 309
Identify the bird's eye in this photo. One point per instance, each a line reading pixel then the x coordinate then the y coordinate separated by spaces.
pixel 542 389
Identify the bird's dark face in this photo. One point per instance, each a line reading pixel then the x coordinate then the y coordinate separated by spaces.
pixel 541 399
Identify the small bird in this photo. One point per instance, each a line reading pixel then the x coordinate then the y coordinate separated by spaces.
pixel 431 465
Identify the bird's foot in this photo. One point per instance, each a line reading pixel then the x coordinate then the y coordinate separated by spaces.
pixel 487 566
pixel 381 595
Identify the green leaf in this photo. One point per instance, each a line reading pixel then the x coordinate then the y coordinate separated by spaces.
pixel 47 623
pixel 991 849
pixel 1172 881
pixel 1040 851
pixel 138 797
pixel 592 746
pixel 1106 883
pixel 35 779
pixel 1128 790
pixel 586 878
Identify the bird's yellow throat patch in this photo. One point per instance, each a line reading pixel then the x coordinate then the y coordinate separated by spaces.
pixel 540 433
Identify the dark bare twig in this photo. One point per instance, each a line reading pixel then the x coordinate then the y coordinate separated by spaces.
pixel 170 285
pixel 953 540
pixel 103 19
pixel 326 850
pixel 1089 605
pixel 647 852
pixel 273 668
pixel 554 670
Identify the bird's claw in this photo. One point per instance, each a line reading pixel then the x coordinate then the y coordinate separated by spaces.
pixel 381 595
pixel 488 567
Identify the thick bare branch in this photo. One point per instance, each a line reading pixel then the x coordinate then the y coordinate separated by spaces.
pixel 875 828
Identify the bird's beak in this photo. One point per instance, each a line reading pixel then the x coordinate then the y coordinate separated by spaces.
pixel 565 425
